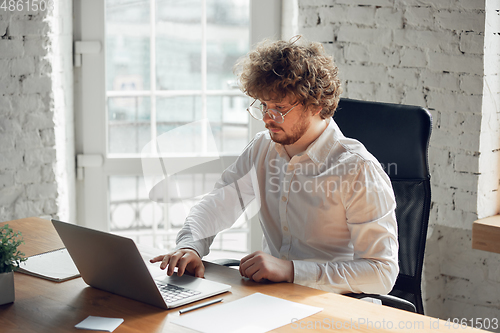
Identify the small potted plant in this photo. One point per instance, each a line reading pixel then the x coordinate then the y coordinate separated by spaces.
pixel 10 259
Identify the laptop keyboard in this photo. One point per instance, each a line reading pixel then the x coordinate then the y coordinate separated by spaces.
pixel 173 293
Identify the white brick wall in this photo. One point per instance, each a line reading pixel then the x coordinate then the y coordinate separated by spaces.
pixel 33 182
pixel 431 53
pixel 23 88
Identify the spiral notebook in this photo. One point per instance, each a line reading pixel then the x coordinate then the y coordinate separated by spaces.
pixel 55 265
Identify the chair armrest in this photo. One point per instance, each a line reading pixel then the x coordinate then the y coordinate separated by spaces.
pixel 389 300
pixel 227 262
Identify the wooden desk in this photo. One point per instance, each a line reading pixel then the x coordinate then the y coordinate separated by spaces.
pixel 45 306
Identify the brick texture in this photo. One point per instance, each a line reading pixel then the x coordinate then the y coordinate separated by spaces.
pixel 30 135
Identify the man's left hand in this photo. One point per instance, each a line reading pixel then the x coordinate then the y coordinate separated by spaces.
pixel 259 266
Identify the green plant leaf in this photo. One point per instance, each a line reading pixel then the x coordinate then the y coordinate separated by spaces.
pixel 10 256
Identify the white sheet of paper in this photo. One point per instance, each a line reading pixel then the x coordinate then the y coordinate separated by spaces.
pixel 99 324
pixel 254 313
pixel 54 265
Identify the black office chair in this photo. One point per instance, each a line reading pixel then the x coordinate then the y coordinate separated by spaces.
pixel 398 136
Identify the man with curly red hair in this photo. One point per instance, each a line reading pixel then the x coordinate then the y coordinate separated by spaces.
pixel 326 205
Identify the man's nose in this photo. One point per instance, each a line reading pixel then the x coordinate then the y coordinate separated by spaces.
pixel 267 118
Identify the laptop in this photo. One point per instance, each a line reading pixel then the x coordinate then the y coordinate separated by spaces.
pixel 113 263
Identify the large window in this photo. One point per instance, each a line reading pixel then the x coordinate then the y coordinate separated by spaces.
pixel 167 65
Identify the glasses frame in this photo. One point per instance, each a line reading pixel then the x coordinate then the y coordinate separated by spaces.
pixel 273 114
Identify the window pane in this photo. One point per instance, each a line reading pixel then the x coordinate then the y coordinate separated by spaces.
pixel 229 122
pixel 174 113
pixel 227 40
pixel 178 44
pixel 127 45
pixel 129 126
pixel 226 114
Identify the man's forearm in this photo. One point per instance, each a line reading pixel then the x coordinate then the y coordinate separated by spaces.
pixel 360 275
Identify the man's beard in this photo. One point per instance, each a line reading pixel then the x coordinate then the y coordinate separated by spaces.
pixel 298 130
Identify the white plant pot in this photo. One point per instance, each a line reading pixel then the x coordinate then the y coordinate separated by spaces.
pixel 6 288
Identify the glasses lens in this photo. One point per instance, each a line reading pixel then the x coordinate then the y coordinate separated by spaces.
pixel 275 115
pixel 256 112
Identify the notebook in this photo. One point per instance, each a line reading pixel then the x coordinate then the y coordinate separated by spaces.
pixel 55 265
pixel 113 263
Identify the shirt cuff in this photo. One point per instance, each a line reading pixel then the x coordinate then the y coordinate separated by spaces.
pixel 189 246
pixel 305 272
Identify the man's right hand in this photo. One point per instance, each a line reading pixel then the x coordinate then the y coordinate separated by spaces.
pixel 186 260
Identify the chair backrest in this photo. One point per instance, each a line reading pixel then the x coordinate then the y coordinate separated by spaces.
pixel 398 136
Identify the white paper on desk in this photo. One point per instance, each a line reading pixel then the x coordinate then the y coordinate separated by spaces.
pixel 99 324
pixel 254 313
pixel 55 265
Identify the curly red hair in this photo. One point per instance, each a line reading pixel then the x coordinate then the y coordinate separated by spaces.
pixel 277 69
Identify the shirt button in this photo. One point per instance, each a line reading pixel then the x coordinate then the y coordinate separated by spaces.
pixel 283 257
pixel 285 228
pixel 283 198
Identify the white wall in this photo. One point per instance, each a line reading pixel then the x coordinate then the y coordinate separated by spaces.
pixel 36 158
pixel 61 57
pixel 431 53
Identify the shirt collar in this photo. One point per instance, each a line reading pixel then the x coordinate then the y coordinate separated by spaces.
pixel 281 151
pixel 320 148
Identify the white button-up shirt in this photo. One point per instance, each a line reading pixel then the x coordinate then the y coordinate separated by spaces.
pixel 330 210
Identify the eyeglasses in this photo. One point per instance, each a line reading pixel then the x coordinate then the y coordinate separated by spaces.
pixel 258 110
